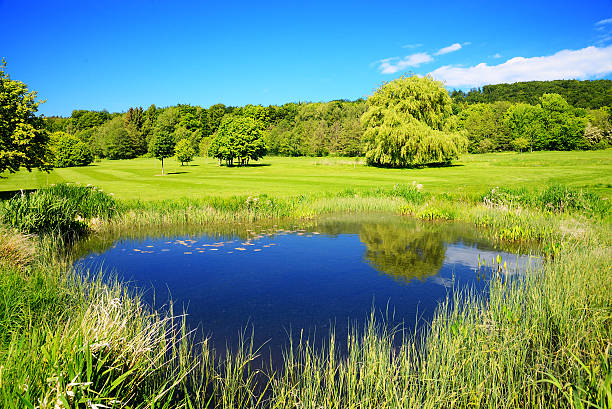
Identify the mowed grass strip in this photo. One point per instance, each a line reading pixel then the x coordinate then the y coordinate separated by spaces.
pixel 141 179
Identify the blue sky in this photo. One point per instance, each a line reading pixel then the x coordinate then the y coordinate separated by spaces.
pixel 114 55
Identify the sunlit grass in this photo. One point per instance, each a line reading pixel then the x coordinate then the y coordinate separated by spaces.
pixel 538 340
pixel 287 177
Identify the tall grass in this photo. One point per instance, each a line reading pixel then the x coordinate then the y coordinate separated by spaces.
pixel 62 209
pixel 542 340
pixel 554 198
pixel 538 340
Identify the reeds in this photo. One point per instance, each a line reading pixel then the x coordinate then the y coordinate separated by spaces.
pixel 537 340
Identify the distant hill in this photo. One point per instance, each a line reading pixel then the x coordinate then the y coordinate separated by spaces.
pixel 591 94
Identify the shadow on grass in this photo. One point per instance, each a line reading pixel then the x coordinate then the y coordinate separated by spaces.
pixel 429 165
pixel 250 165
pixel 175 173
pixel 9 194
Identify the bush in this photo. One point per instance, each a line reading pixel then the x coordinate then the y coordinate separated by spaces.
pixel 69 150
pixel 62 209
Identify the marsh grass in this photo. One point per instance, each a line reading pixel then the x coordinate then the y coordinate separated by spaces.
pixel 61 210
pixel 537 340
pixel 540 340
pixel 16 249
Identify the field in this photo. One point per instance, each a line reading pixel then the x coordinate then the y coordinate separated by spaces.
pixel 541 341
pixel 140 178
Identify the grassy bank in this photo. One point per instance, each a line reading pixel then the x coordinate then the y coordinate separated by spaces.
pixel 287 177
pixel 542 340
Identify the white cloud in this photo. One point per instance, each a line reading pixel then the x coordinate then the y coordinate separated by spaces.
pixel 393 65
pixel 566 64
pixel 604 22
pixel 497 55
pixel 412 45
pixel 449 49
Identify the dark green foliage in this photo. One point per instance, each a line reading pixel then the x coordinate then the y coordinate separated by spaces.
pixel 68 150
pixel 581 94
pixel 551 125
pixel 485 127
pixel 150 116
pixel 214 115
pixel 56 123
pixel 405 124
pixel 84 119
pixel 61 209
pixel 134 117
pixel 113 141
pixel 238 138
pixel 334 128
pixel 23 136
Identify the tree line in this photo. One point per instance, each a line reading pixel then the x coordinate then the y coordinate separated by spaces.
pixel 589 94
pixel 410 121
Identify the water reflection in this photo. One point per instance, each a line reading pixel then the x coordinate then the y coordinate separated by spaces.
pixel 311 274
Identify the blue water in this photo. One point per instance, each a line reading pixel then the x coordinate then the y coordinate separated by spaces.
pixel 280 280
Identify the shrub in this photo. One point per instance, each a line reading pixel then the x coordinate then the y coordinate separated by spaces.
pixel 69 150
pixel 62 209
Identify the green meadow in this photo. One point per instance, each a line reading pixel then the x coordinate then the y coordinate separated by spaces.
pixel 544 340
pixel 283 177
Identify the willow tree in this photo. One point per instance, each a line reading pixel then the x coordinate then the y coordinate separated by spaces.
pixel 406 124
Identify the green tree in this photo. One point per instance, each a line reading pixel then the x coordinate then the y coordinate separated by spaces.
pixel 215 115
pixel 485 127
pixel 68 150
pixel 112 140
pixel 149 119
pixel 161 146
pixel 564 125
pixel 24 139
pixel 525 121
pixel 520 144
pixel 184 151
pixel 551 125
pixel 84 119
pixel 238 138
pixel 405 124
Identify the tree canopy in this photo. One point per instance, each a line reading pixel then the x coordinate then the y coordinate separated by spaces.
pixel 591 94
pixel 238 138
pixel 184 151
pixel 162 145
pixel 68 150
pixel 406 124
pixel 23 137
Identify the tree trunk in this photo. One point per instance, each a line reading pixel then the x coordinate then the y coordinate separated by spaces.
pixel 162 159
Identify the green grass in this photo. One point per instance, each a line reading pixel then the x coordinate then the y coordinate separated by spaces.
pixel 283 177
pixel 542 340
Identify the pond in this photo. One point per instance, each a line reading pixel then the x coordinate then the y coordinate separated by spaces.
pixel 276 280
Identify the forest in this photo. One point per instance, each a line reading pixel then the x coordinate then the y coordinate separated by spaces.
pixel 537 115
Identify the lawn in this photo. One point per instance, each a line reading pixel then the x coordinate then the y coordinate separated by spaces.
pixel 141 179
